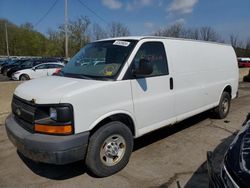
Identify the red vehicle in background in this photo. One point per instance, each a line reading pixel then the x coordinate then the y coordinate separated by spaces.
pixel 244 62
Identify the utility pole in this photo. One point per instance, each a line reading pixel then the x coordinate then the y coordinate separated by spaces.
pixel 7 41
pixel 66 27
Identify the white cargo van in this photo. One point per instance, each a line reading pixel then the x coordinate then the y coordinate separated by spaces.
pixel 115 90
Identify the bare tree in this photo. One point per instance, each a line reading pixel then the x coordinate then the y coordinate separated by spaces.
pixel 247 48
pixel 29 26
pixel 190 34
pixel 78 31
pixel 248 44
pixel 98 32
pixel 209 34
pixel 56 39
pixel 234 40
pixel 175 30
pixel 117 29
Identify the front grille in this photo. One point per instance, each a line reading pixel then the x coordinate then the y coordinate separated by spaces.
pixel 24 112
pixel 245 151
pixel 227 179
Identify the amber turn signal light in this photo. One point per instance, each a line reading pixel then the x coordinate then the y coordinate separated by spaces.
pixel 54 129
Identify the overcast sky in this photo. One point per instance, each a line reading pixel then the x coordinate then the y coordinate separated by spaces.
pixel 140 16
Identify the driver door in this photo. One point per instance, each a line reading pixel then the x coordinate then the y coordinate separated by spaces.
pixel 153 96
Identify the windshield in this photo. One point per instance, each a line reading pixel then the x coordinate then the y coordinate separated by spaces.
pixel 99 60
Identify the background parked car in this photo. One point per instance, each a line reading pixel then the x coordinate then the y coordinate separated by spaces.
pixel 41 70
pixel 24 65
pixel 5 63
pixel 29 64
pixel 244 62
pixel 14 63
pixel 2 61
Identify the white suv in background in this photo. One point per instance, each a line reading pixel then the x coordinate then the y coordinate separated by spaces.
pixel 41 70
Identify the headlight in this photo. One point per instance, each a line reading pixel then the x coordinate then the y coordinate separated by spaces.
pixel 53 114
pixel 54 119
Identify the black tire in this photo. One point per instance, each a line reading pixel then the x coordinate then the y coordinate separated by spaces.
pixel 96 160
pixel 24 77
pixel 222 110
pixel 5 72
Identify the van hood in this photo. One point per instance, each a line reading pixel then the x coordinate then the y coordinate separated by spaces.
pixel 50 90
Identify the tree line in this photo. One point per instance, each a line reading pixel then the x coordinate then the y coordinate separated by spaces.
pixel 206 33
pixel 24 40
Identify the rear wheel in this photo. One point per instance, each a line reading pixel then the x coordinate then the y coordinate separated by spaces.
pixel 221 111
pixel 24 77
pixel 109 149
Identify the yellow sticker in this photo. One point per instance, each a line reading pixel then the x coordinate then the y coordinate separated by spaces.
pixel 108 73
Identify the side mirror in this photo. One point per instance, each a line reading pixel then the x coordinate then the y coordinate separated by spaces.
pixel 145 68
pixel 34 69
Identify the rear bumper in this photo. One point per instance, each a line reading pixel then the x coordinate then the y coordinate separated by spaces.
pixel 47 148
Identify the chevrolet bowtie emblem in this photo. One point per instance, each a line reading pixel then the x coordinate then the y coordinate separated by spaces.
pixel 18 111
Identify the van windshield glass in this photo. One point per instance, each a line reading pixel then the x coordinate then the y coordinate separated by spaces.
pixel 99 60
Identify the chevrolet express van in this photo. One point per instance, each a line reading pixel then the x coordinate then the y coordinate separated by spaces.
pixel 115 90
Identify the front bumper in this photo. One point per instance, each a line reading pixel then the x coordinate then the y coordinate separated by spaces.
pixel 222 180
pixel 14 77
pixel 215 180
pixel 47 148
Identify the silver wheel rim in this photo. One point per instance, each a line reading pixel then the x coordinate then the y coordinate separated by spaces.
pixel 112 150
pixel 225 105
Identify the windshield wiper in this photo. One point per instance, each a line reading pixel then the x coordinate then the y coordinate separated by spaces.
pixel 83 76
pixel 75 75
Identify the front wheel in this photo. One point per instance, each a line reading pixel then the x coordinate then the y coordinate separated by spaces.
pixel 222 109
pixel 24 77
pixel 109 149
pixel 5 72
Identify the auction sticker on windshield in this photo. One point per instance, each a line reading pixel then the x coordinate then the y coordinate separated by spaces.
pixel 121 43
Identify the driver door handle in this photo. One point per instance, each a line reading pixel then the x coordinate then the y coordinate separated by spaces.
pixel 171 83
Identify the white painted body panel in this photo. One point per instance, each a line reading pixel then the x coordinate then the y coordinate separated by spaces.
pixel 153 102
pixel 92 100
pixel 200 72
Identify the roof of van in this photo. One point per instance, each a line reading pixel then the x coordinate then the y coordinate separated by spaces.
pixel 159 37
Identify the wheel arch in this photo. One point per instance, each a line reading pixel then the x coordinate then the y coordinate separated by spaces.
pixel 228 88
pixel 122 116
pixel 23 74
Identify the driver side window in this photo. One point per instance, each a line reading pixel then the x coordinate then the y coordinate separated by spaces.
pixel 41 67
pixel 154 52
